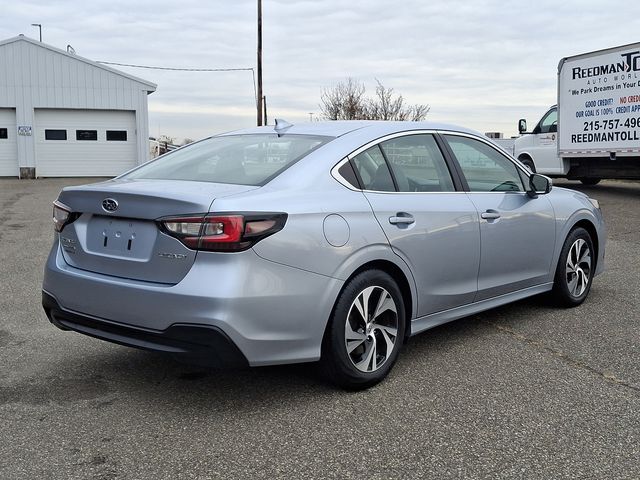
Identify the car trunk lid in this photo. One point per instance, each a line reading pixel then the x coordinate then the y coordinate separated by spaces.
pixel 116 231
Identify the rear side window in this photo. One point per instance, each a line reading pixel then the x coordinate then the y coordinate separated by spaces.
pixel 418 164
pixel 55 134
pixel 4 133
pixel 237 159
pixel 346 171
pixel 373 170
pixel 485 169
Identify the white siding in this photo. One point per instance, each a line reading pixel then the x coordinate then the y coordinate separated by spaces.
pixel 36 76
pixel 8 147
pixel 80 158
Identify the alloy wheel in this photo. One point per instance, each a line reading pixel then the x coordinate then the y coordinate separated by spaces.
pixel 578 268
pixel 371 329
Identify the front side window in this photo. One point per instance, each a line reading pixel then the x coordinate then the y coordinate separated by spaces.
pixel 549 123
pixel 236 159
pixel 417 164
pixel 373 170
pixel 485 169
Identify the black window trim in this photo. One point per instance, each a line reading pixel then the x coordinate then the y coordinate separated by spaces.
pixel 454 160
pixel 458 180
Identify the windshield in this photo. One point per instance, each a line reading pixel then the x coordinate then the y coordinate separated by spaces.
pixel 237 159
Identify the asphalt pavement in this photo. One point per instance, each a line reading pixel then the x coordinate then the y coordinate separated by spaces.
pixel 522 391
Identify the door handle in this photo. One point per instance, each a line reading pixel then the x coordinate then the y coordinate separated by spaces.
pixel 490 215
pixel 401 219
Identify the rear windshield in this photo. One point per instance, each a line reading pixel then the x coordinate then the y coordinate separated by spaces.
pixel 237 159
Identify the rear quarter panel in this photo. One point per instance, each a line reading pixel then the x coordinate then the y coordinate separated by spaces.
pixel 330 230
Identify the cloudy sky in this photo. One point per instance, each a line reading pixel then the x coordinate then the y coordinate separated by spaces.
pixel 482 64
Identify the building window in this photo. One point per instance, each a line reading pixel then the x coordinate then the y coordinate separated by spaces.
pixel 55 134
pixel 4 133
pixel 86 135
pixel 116 135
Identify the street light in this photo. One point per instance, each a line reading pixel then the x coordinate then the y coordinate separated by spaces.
pixel 39 28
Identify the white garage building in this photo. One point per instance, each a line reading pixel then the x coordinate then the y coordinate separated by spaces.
pixel 65 116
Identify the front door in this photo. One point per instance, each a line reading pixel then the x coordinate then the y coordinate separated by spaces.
pixel 517 232
pixel 544 149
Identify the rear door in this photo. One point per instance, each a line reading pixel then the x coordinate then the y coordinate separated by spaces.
pixel 429 223
pixel 517 232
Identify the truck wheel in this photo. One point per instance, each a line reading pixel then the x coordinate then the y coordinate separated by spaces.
pixel 590 181
pixel 527 162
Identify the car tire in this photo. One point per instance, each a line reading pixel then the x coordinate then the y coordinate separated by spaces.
pixel 365 331
pixel 527 162
pixel 575 269
pixel 590 181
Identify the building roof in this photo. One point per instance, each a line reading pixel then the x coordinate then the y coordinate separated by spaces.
pixel 21 38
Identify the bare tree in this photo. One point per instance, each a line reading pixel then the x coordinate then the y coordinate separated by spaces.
pixel 347 101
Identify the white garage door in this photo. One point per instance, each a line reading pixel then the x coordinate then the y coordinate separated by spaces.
pixel 84 143
pixel 8 145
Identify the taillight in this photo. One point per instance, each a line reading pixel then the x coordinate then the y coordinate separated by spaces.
pixel 223 232
pixel 62 215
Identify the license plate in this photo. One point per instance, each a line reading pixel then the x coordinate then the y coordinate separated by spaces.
pixel 120 236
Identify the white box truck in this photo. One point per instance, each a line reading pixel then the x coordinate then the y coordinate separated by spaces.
pixel 594 130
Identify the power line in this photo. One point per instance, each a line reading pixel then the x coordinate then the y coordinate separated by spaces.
pixel 178 69
pixel 150 67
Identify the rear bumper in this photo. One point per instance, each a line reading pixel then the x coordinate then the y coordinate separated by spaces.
pixel 196 343
pixel 271 313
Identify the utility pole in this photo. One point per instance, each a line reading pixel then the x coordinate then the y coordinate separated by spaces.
pixel 39 28
pixel 259 99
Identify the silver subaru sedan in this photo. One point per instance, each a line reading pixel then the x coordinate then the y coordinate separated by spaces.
pixel 332 241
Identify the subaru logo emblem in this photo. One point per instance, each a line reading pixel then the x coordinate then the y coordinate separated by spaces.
pixel 109 205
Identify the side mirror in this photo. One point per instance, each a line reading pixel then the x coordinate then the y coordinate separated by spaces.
pixel 539 185
pixel 553 128
pixel 522 126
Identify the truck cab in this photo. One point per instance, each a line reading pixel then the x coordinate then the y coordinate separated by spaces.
pixel 538 149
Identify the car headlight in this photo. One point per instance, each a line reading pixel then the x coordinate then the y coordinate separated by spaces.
pixel 595 203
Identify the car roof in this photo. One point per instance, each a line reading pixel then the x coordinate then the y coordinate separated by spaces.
pixel 342 127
